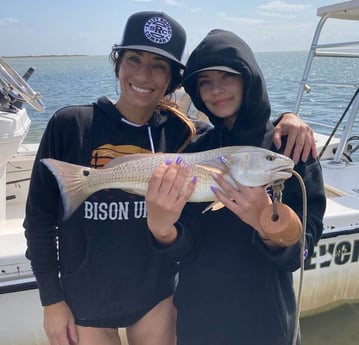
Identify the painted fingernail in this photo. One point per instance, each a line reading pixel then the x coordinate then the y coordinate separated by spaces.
pixel 168 162
pixel 213 189
pixel 222 159
pixel 179 160
pixel 194 179
pixel 305 253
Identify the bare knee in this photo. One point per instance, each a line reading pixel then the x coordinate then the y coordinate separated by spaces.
pixel 157 327
pixel 98 336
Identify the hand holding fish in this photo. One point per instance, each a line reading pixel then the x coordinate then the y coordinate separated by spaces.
pixel 165 199
pixel 245 202
pixel 254 207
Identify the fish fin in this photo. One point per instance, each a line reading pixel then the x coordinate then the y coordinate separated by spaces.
pixel 71 184
pixel 209 168
pixel 214 206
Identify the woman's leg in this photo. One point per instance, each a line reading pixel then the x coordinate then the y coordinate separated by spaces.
pixel 98 336
pixel 157 327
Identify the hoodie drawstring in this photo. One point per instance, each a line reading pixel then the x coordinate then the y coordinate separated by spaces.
pixel 151 140
pixel 148 131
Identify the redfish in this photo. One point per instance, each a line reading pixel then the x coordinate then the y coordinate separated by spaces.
pixel 248 165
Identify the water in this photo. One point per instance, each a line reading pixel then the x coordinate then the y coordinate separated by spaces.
pixel 82 79
pixel 64 81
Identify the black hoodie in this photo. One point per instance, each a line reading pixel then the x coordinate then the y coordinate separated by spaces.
pixel 224 48
pixel 109 275
pixel 232 289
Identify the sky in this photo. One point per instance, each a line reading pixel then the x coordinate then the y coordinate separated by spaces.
pixel 91 27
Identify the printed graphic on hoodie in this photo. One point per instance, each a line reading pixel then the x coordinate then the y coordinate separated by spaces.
pixel 99 209
pixel 105 153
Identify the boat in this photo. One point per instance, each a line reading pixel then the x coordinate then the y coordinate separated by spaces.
pixel 330 277
pixel 20 313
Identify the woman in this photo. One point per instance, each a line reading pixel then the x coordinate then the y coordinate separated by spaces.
pixel 103 274
pixel 235 280
pixel 109 276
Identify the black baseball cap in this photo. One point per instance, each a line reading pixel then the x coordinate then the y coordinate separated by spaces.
pixel 154 32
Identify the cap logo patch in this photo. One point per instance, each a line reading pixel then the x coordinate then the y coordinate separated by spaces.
pixel 158 30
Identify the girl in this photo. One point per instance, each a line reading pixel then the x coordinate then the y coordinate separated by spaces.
pixel 235 285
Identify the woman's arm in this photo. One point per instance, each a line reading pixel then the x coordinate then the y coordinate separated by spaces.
pixel 300 143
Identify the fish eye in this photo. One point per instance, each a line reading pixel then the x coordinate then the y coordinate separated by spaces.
pixel 86 173
pixel 270 158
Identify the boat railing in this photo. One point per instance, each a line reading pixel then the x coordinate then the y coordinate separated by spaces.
pixel 336 45
pixel 314 52
pixel 346 50
pixel 14 89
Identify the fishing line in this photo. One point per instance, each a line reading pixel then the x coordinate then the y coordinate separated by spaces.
pixel 302 256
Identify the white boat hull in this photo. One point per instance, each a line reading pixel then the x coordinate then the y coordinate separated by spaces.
pixel 21 319
pixel 331 276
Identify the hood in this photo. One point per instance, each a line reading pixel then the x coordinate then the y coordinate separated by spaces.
pixel 171 130
pixel 224 48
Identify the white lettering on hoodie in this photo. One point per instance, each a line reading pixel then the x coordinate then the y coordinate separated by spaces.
pixel 114 210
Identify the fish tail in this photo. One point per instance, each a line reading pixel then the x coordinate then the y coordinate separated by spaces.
pixel 71 184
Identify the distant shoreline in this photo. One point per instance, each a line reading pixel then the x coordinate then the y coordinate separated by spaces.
pixel 89 55
pixel 44 56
